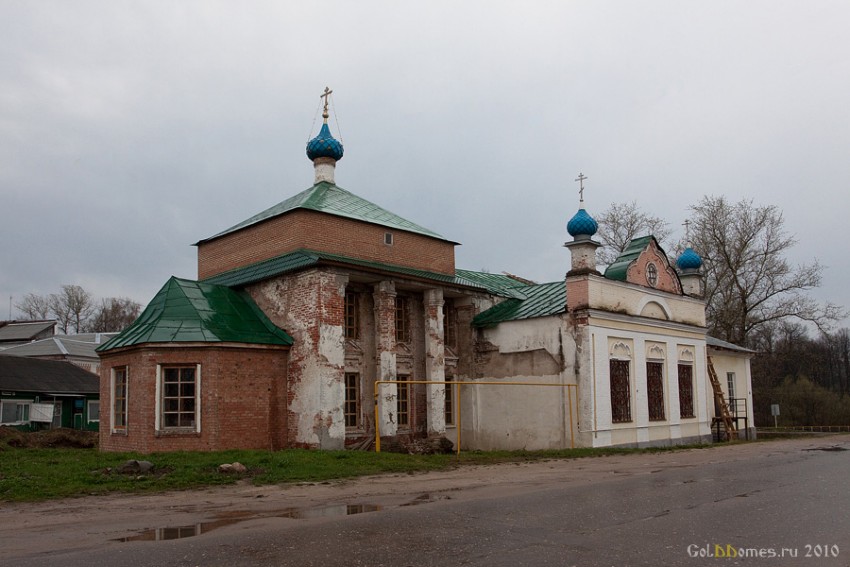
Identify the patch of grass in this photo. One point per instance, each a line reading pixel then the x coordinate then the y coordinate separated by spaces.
pixel 41 474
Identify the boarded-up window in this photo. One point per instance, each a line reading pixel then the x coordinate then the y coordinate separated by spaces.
pixel 655 390
pixel 621 400
pixel 686 390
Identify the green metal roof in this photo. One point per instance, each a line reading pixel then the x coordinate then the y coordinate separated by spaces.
pixel 300 259
pixel 497 284
pixel 190 311
pixel 328 198
pixel 540 300
pixel 618 268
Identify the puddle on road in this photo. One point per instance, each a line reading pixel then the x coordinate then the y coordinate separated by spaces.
pixel 830 448
pixel 230 518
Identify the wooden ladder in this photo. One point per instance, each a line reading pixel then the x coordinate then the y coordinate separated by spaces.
pixel 720 399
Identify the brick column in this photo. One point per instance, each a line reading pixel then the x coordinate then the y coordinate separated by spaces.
pixel 435 362
pixel 384 296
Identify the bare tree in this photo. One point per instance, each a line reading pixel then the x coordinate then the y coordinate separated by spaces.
pixel 71 307
pixel 113 314
pixel 34 306
pixel 749 283
pixel 620 223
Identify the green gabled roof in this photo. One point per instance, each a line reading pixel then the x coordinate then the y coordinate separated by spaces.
pixel 300 259
pixel 497 284
pixel 328 198
pixel 190 311
pixel 618 268
pixel 540 300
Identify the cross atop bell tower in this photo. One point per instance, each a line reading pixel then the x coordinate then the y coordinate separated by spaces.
pixel 581 177
pixel 325 95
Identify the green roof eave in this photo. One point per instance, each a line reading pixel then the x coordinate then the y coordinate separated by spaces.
pixel 186 311
pixel 497 284
pixel 541 300
pixel 300 259
pixel 325 197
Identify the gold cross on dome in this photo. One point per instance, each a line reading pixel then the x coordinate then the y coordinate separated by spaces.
pixel 581 177
pixel 325 96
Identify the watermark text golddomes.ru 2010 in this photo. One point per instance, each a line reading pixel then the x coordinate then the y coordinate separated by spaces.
pixel 729 551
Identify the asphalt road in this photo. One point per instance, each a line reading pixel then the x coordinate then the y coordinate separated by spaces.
pixel 788 506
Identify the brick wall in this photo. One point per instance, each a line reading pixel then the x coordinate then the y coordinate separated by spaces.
pixel 243 398
pixel 310 305
pixel 324 233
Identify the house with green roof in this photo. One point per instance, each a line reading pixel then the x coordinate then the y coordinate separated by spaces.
pixel 326 321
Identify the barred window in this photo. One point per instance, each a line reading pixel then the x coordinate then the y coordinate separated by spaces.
pixel 655 390
pixel 686 390
pixel 621 400
pixel 352 399
pixel 352 316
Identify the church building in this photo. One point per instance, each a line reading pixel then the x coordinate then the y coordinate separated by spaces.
pixel 327 321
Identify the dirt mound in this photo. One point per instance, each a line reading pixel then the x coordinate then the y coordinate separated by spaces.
pixel 65 438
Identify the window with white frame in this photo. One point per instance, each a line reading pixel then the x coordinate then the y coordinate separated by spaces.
pixel 57 414
pixel 93 410
pixel 178 399
pixel 15 412
pixel 119 399
pixel 730 384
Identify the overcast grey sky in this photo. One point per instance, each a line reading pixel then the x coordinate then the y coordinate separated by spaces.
pixel 130 130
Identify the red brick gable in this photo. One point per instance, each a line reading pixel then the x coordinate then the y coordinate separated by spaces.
pixel 640 271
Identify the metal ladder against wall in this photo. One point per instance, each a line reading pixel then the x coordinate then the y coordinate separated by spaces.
pixel 725 415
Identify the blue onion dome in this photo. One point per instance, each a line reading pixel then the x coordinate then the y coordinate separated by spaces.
pixel 582 224
pixel 689 260
pixel 324 145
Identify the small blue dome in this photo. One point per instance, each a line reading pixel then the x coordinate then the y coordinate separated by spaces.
pixel 689 260
pixel 324 145
pixel 582 224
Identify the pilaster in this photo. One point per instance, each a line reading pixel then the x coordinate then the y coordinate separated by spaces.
pixel 384 298
pixel 435 363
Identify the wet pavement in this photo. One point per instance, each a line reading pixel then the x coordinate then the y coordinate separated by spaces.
pixel 776 503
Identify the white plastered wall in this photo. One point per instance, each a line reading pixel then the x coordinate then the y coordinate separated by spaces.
pixel 518 416
pixel 631 341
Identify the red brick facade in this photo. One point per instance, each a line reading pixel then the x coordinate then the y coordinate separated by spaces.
pixel 322 232
pixel 242 396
